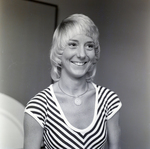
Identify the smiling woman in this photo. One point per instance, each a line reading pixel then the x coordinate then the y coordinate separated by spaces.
pixel 71 26
pixel 73 112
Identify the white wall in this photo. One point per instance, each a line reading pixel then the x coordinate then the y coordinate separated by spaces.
pixel 124 65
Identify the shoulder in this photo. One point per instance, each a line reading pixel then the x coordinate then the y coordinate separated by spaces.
pixel 37 106
pixel 103 90
pixel 42 96
pixel 39 101
pixel 107 95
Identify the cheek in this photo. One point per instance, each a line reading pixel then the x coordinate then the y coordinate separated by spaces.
pixel 67 53
pixel 91 56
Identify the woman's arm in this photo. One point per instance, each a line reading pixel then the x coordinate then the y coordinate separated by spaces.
pixel 33 133
pixel 113 132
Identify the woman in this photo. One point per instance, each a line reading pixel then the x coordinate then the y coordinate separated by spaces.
pixel 73 112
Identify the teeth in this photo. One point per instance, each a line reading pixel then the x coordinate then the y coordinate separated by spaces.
pixel 79 63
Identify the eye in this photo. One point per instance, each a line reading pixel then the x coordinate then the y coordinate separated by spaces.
pixel 90 46
pixel 72 45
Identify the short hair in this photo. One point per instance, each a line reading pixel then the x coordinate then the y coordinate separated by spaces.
pixel 74 24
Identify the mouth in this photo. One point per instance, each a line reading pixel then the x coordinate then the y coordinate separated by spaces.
pixel 78 63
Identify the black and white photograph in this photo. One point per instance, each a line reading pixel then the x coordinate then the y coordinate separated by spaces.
pixel 74 74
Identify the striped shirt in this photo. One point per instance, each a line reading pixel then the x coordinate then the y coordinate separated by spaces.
pixel 59 133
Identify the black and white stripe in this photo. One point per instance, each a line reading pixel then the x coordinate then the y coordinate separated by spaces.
pixel 58 135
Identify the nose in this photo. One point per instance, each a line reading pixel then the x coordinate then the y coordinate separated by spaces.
pixel 81 53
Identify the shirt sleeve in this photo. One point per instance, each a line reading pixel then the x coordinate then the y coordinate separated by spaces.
pixel 37 108
pixel 113 105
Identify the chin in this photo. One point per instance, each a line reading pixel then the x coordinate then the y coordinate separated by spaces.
pixel 79 74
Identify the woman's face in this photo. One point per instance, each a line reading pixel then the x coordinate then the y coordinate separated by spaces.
pixel 78 56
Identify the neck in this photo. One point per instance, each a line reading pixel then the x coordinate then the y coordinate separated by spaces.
pixel 73 86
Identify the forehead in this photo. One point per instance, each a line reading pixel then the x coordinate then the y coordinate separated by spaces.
pixel 76 32
pixel 80 38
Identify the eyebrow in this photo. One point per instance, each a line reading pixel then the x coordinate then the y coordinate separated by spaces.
pixel 78 41
pixel 90 42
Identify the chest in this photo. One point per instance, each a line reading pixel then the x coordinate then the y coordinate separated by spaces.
pixel 79 116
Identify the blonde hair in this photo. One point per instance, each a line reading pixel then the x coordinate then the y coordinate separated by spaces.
pixel 74 24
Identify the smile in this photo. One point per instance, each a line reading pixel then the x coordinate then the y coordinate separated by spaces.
pixel 79 63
